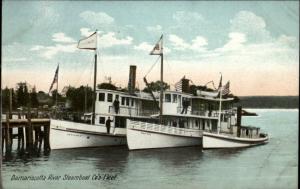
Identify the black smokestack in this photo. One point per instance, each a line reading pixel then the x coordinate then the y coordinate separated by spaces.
pixel 132 78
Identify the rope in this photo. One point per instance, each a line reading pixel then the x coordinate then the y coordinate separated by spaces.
pixel 152 66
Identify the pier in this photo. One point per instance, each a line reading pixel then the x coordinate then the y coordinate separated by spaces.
pixel 32 132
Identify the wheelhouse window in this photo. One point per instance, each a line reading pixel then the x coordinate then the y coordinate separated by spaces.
pixel 101 96
pixel 174 98
pixel 123 101
pixel 167 97
pixel 109 97
pixel 127 101
pixel 102 120
pixel 132 102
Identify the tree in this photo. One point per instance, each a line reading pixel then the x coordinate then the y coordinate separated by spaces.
pixel 33 97
pixel 155 86
pixel 194 88
pixel 5 98
pixel 79 96
pixel 108 86
pixel 20 94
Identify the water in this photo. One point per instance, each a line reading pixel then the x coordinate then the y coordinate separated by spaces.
pixel 270 166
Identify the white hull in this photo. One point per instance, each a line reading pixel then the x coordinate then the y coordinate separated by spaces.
pixel 213 140
pixel 156 137
pixel 65 134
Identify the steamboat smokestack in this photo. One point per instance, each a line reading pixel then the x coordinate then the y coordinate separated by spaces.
pixel 132 78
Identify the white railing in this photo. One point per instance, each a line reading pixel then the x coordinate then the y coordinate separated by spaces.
pixel 132 111
pixel 163 129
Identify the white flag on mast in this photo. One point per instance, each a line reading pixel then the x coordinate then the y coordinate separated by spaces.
pixel 158 48
pixel 89 43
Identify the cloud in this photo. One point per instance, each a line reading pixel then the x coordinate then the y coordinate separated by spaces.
pixel 97 18
pixel 86 32
pixel 250 24
pixel 109 39
pixel 197 44
pixel 61 37
pixel 155 29
pixel 236 41
pixel 144 46
pixel 14 59
pixel 187 17
pixel 49 52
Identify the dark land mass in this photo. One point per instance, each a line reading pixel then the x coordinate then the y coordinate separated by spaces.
pixel 280 102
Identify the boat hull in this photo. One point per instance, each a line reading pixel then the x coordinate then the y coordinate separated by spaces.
pixel 145 139
pixel 65 134
pixel 211 140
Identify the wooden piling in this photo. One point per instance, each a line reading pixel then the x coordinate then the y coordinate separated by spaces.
pixel 30 134
pixel 3 136
pixel 7 136
pixel 46 137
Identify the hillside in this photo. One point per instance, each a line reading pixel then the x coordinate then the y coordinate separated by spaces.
pixel 284 102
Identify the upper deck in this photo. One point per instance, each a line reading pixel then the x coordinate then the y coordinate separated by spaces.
pixel 175 103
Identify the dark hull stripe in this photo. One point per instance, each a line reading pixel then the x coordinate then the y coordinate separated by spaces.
pixel 90 133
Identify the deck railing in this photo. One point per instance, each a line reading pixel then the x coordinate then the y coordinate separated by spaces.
pixel 132 111
pixel 163 129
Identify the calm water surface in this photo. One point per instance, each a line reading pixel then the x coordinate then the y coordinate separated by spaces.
pixel 272 166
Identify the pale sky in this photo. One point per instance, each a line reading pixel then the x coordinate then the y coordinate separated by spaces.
pixel 254 44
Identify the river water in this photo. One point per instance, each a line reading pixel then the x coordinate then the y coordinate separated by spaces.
pixel 270 166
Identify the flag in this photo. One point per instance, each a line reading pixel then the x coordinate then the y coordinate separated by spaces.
pixel 225 89
pixel 89 43
pixel 158 49
pixel 55 79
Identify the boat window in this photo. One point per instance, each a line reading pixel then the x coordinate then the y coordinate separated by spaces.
pixel 174 98
pixel 109 97
pixel 179 99
pixel 167 97
pixel 102 120
pixel 123 101
pixel 101 96
pixel 127 101
pixel 132 102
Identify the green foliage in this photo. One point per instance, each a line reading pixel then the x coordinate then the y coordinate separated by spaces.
pixel 77 98
pixel 108 86
pixel 194 88
pixel 155 86
pixel 33 97
pixel 22 94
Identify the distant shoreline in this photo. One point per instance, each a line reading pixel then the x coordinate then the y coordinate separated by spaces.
pixel 269 102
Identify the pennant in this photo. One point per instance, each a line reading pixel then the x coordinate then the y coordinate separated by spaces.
pixel 220 83
pixel 55 79
pixel 158 48
pixel 89 43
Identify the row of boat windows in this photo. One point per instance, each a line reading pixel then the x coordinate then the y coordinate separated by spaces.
pixel 125 101
pixel 174 98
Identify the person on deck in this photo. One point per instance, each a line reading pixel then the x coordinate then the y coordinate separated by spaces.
pixel 116 105
pixel 185 104
pixel 107 123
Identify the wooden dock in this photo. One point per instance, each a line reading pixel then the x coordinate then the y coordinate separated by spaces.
pixel 32 132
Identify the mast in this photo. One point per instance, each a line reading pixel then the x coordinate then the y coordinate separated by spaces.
pixel 220 106
pixel 161 81
pixel 95 80
pixel 56 94
pixel 90 43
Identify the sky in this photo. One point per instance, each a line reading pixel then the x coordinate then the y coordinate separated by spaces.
pixel 254 44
